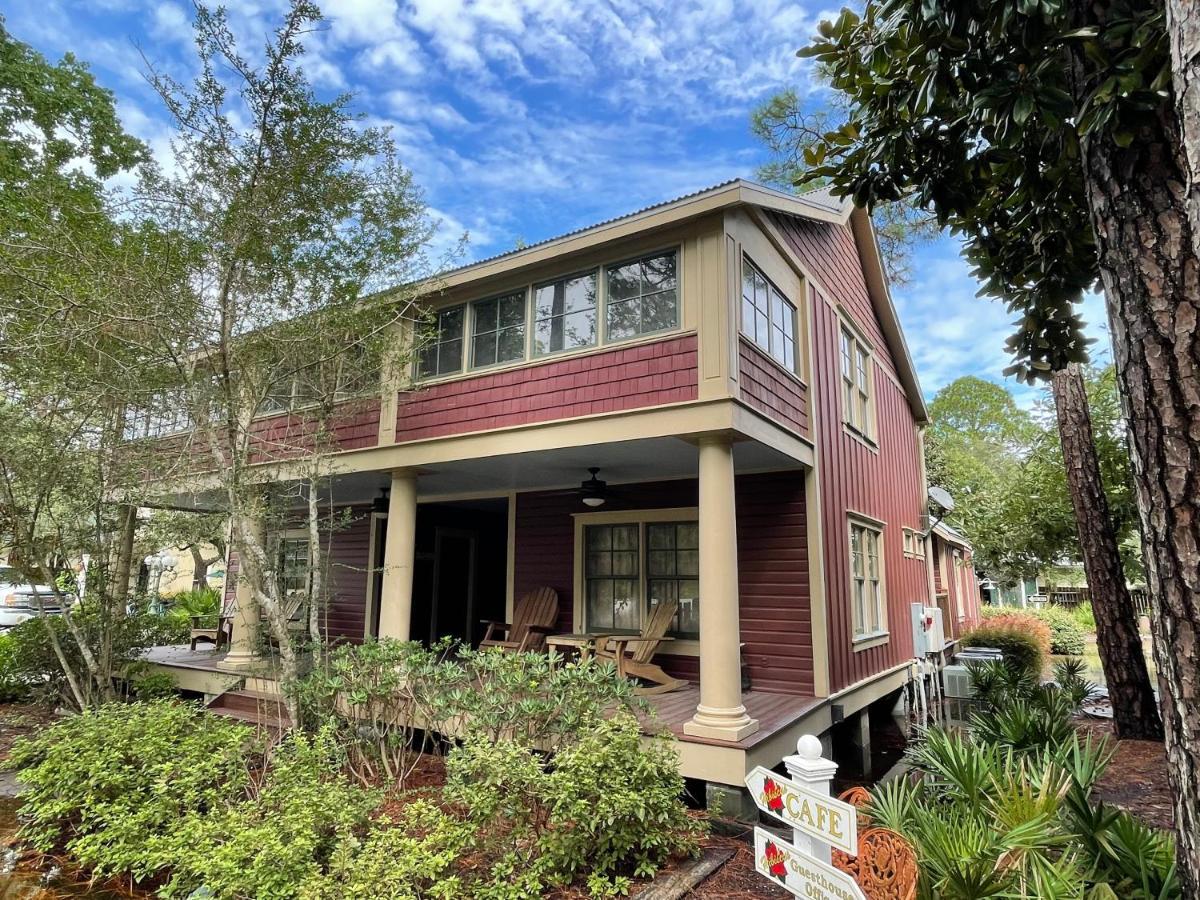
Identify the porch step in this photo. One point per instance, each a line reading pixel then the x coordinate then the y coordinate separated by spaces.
pixel 254 707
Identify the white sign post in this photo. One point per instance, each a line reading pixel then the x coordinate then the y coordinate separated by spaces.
pixel 818 822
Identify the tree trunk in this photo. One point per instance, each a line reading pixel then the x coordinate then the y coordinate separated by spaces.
pixel 1135 711
pixel 1152 284
pixel 1183 27
pixel 118 586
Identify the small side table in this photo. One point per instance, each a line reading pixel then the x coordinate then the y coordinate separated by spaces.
pixel 580 643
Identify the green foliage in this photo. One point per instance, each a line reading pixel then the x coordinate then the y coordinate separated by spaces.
pixel 375 691
pixel 199 602
pixel 1024 640
pixel 979 111
pixel 155 686
pixel 1085 617
pixel 15 684
pixel 110 786
pixel 1067 638
pixel 280 837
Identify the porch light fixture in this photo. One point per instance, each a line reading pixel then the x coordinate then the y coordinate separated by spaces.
pixel 593 490
pixel 380 504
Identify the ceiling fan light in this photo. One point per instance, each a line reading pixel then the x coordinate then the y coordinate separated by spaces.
pixel 593 501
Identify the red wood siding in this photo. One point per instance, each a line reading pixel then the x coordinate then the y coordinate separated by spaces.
pixel 883 483
pixel 765 386
pixel 772 568
pixel 347 559
pixel 292 434
pixel 611 381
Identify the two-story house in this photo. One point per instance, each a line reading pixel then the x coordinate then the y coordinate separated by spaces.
pixel 732 365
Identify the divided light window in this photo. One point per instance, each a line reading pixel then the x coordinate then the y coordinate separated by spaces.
pixel 564 314
pixel 629 568
pixel 642 297
pixel 768 317
pixel 866 580
pixel 856 383
pixel 443 353
pixel 293 574
pixel 498 330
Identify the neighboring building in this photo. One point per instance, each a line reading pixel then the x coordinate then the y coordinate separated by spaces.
pixel 732 363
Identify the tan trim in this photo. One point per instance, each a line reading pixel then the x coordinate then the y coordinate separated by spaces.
pixel 869 641
pixel 865 518
pixel 868 433
pixel 818 600
pixel 395 611
pixel 863 693
pixel 369 613
pixel 638 517
pixel 875 638
pixel 717 366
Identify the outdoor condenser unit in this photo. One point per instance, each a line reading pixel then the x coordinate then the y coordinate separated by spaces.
pixel 957 682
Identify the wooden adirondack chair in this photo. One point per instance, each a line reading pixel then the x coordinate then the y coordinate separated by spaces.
pixel 534 616
pixel 212 629
pixel 636 662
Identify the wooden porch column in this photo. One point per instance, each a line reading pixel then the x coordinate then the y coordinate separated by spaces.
pixel 720 714
pixel 399 550
pixel 243 650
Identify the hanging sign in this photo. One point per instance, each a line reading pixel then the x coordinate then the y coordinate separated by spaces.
pixel 819 816
pixel 799 873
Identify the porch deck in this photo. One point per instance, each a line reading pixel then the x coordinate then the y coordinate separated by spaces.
pixel 782 718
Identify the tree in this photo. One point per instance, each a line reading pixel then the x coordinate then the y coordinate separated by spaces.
pixel 202 535
pixel 1183 26
pixel 1045 133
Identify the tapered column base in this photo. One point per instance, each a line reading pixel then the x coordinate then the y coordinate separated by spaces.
pixel 723 724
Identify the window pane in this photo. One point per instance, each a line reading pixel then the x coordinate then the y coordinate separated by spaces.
pixel 512 310
pixel 659 312
pixel 623 319
pixel 486 312
pixel 511 344
pixel 625 537
pixel 660 536
pixel 687 562
pixel 626 614
pixel 687 535
pixel 548 300
pixel 748 318
pixel 624 281
pixel 599 604
pixel 642 297
pixel 789 354
pixel 450 357
pixel 658 273
pixel 599 564
pixel 624 562
pixel 483 352
pixel 450 324
pixel 660 563
pixel 580 293
pixel 579 330
pixel 762 328
pixel 599 537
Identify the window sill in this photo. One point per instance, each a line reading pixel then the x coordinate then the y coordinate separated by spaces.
pixel 867 442
pixel 867 641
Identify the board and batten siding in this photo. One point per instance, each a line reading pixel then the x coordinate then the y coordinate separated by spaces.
pixel 884 482
pixel 623 378
pixel 775 619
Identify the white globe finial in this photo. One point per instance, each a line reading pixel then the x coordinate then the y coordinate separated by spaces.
pixel 809 747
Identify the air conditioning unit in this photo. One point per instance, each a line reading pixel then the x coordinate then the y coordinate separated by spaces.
pixel 978 654
pixel 935 632
pixel 957 682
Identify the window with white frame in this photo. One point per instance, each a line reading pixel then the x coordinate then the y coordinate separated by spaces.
pixel 958 582
pixel 866 580
pixel 564 313
pixel 442 354
pixel 642 297
pixel 630 567
pixel 914 543
pixel 498 329
pixel 856 383
pixel 768 317
pixel 294 573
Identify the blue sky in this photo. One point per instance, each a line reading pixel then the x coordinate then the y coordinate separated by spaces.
pixel 522 119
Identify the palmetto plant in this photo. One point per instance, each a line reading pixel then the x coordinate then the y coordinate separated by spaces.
pixel 1004 810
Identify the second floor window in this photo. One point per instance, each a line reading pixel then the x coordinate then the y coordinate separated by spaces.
pixel 498 330
pixel 642 298
pixel 856 384
pixel 866 580
pixel 768 317
pixel 443 353
pixel 564 314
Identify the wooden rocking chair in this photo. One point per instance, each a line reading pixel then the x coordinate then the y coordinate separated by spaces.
pixel 534 616
pixel 636 663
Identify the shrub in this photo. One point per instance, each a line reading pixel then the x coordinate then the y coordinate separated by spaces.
pixel 268 844
pixel 1084 616
pixel 15 684
pixel 110 785
pixel 1067 638
pixel 154 686
pixel 199 602
pixel 1024 640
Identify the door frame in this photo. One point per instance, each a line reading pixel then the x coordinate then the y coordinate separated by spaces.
pixel 473 536
pixel 375 565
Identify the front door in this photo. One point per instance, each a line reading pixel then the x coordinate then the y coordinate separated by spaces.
pixel 453 608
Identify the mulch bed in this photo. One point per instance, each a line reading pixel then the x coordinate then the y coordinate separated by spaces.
pixel 18 719
pixel 1136 780
pixel 737 879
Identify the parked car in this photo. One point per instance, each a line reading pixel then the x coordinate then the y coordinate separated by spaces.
pixel 19 599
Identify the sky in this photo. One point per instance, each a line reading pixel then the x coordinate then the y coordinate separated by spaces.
pixel 523 119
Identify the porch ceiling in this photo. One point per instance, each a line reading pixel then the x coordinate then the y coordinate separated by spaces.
pixel 620 462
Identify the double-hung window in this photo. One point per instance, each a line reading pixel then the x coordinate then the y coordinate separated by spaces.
pixel 768 317
pixel 856 384
pixel 866 580
pixel 564 314
pixel 498 330
pixel 642 297
pixel 294 574
pixel 442 353
pixel 631 567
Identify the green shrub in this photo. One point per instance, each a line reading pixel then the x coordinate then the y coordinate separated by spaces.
pixel 282 836
pixel 199 602
pixel 1067 638
pixel 110 785
pixel 1084 616
pixel 155 686
pixel 1024 640
pixel 15 684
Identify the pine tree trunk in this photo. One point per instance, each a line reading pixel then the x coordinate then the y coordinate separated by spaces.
pixel 1151 281
pixel 1135 711
pixel 1183 26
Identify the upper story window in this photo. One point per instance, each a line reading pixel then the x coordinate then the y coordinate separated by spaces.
pixel 565 314
pixel 642 297
pixel 498 329
pixel 768 317
pixel 867 602
pixel 856 384
pixel 444 352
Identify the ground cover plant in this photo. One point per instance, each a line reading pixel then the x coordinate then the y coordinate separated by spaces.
pixel 549 782
pixel 1004 809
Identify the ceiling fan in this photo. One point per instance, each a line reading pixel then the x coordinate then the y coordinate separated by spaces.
pixel 593 491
